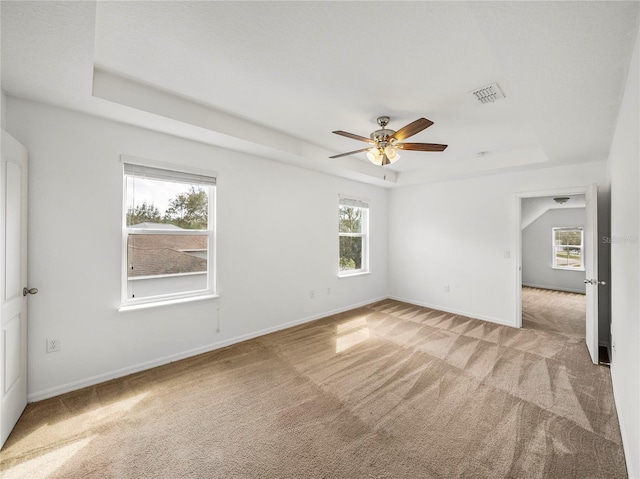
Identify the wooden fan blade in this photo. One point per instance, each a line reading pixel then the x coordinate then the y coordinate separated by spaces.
pixel 412 128
pixel 353 136
pixel 350 153
pixel 421 146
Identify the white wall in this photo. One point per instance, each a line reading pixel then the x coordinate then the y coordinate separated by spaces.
pixel 277 239
pixel 458 232
pixel 537 252
pixel 624 163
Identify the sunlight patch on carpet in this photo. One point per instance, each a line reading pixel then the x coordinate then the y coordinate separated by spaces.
pixel 43 465
pixel 49 435
pixel 351 333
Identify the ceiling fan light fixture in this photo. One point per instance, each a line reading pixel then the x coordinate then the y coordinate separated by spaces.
pixel 392 154
pixel 374 156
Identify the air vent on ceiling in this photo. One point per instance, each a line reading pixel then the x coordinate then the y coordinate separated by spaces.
pixel 488 93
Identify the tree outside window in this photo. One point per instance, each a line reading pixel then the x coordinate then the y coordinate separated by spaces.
pixel 568 248
pixel 353 216
pixel 187 210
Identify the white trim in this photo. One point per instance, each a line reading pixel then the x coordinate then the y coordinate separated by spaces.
pixel 354 198
pixel 501 322
pixel 166 232
pixel 165 302
pixel 118 373
pixel 168 299
pixel 575 190
pixel 158 276
pixel 359 272
pixel 167 166
pixel 554 288
pixel 518 254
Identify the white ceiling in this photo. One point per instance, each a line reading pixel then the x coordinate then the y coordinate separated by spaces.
pixel 275 78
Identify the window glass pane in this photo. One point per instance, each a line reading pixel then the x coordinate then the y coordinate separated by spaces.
pixel 350 253
pixel 350 219
pixel 567 247
pixel 569 237
pixel 159 264
pixel 568 256
pixel 159 204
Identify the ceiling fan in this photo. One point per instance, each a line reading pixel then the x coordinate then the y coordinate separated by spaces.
pixel 386 143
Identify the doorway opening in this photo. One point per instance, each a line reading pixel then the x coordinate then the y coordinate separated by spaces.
pixel 553 288
pixel 551 269
pixel 553 273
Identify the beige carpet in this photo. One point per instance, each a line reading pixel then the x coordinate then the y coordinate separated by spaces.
pixel 385 391
pixel 554 311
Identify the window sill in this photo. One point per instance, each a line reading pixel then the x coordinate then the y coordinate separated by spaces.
pixel 167 302
pixel 357 273
pixel 567 269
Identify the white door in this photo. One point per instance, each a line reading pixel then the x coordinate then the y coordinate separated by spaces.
pixel 13 280
pixel 591 269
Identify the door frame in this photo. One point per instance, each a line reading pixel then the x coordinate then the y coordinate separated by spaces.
pixel 580 190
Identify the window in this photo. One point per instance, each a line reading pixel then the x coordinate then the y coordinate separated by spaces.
pixel 168 235
pixel 353 234
pixel 568 248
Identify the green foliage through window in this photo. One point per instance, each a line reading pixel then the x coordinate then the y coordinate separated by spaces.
pixel 188 210
pixel 352 238
pixel 350 219
pixel 568 248
pixel 350 253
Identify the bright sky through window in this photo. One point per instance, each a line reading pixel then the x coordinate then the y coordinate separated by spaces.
pixel 155 191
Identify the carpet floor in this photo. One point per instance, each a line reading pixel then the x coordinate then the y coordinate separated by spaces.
pixel 389 390
pixel 554 311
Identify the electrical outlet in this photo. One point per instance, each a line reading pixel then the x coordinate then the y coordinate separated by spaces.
pixel 328 291
pixel 53 345
pixel 312 293
pixel 447 289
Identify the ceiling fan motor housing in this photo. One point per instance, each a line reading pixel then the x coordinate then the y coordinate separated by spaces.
pixel 383 135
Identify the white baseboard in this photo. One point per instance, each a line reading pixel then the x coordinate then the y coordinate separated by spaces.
pixel 554 288
pixel 118 373
pixel 454 311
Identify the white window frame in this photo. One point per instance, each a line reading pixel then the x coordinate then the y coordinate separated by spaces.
pixel 175 173
pixel 554 264
pixel 364 234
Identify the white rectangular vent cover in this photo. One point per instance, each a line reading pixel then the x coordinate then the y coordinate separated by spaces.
pixel 488 93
